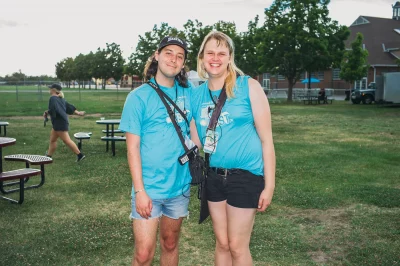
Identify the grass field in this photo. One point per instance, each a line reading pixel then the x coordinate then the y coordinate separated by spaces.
pixel 35 102
pixel 337 199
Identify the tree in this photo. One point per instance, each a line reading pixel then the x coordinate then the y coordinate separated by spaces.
pixel 99 59
pixel 65 70
pixel 115 62
pixel 108 63
pixel 90 65
pixel 81 66
pixel 194 35
pixel 354 65
pixel 247 56
pixel 299 36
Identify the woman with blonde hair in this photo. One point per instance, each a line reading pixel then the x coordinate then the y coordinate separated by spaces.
pixel 59 120
pixel 241 176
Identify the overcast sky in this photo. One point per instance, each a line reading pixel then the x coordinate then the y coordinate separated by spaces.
pixel 36 34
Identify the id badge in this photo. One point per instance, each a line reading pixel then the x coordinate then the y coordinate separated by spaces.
pixel 210 145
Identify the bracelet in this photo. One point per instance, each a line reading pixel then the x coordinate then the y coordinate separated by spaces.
pixel 140 190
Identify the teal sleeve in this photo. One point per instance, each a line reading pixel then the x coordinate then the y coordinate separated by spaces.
pixel 133 114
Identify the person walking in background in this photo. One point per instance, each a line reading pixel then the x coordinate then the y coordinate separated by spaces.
pixel 241 177
pixel 71 110
pixel 161 190
pixel 60 122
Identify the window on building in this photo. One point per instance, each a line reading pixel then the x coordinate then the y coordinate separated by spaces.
pixel 281 77
pixel 321 75
pixel 266 84
pixel 336 74
pixel 361 84
pixel 302 75
pixel 318 75
pixel 360 21
pixel 266 75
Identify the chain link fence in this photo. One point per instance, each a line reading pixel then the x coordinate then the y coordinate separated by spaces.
pixel 38 90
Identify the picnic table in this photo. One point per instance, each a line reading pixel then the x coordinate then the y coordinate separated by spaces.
pixel 110 137
pixel 3 143
pixel 29 159
pixel 3 125
pixel 22 174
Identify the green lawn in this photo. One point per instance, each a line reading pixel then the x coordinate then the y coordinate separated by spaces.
pixel 33 103
pixel 337 199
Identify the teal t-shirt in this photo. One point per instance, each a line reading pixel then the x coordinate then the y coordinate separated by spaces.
pixel 145 115
pixel 237 142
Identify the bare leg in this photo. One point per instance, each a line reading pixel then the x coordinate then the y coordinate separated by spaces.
pixel 145 233
pixel 220 226
pixel 67 140
pixel 53 142
pixel 240 226
pixel 169 240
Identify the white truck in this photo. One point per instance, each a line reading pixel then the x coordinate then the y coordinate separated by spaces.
pixel 388 88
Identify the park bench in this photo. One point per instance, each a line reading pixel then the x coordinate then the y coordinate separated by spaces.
pixel 3 125
pixel 315 100
pixel 327 100
pixel 20 174
pixel 113 139
pixel 81 136
pixel 29 160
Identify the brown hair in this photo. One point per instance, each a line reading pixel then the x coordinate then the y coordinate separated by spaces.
pixel 151 67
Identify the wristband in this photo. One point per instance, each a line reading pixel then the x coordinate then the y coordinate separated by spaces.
pixel 137 191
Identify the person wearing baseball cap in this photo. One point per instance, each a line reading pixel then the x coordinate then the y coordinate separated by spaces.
pixel 160 185
pixel 59 119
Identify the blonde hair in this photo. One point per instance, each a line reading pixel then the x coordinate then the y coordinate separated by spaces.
pixel 59 93
pixel 221 38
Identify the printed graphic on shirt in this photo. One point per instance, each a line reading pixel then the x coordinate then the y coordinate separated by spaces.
pixel 180 102
pixel 206 113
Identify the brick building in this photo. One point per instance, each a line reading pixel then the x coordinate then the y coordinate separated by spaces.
pixel 381 40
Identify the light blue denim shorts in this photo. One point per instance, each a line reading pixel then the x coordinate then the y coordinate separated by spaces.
pixel 173 208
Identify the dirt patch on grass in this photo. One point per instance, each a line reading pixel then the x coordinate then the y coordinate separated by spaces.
pixel 325 231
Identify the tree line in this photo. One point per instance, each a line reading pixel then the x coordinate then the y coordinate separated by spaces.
pixel 296 37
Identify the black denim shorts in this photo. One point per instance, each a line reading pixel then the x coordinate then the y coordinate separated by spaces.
pixel 240 188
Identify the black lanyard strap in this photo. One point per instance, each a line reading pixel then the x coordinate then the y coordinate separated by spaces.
pixel 218 108
pixel 164 97
pixel 214 119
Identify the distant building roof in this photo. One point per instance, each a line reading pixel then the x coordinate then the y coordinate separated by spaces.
pixel 381 38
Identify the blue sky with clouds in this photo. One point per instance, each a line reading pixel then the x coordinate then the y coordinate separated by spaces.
pixel 36 34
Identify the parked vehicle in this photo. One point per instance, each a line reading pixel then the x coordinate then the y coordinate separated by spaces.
pixel 388 88
pixel 366 96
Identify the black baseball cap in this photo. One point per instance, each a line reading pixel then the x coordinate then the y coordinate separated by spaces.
pixel 169 40
pixel 55 86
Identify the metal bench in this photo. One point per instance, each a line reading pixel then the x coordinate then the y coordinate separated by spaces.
pixel 20 174
pixel 4 125
pixel 29 160
pixel 113 139
pixel 115 131
pixel 80 136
